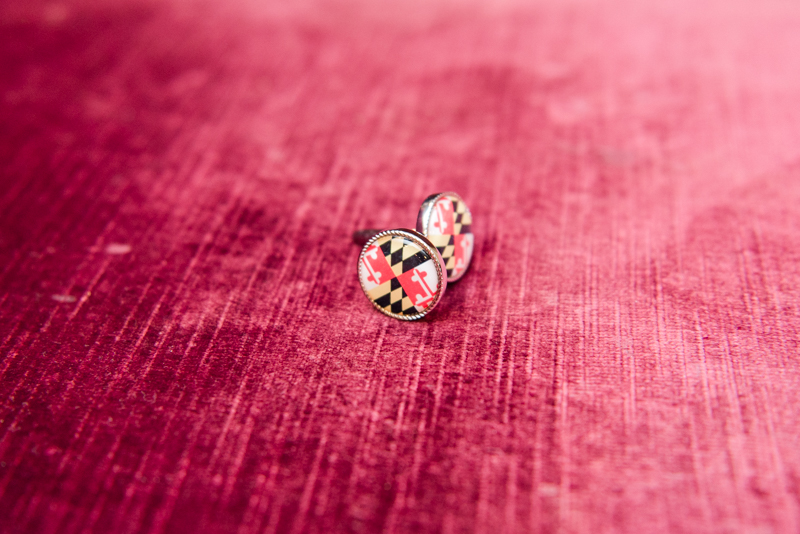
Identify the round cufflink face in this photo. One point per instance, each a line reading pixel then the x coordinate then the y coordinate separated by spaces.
pixel 446 221
pixel 402 274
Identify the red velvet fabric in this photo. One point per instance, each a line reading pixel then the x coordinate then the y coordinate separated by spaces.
pixel 184 345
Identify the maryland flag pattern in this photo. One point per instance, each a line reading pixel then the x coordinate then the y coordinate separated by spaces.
pixel 450 231
pixel 398 275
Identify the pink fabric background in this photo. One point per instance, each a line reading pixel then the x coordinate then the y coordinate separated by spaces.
pixel 184 346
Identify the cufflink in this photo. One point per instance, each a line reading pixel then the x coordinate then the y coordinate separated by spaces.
pixel 404 273
pixel 446 221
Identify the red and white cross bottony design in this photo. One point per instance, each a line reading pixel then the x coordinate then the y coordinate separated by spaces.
pixel 442 220
pixel 419 284
pixel 377 267
pixel 462 252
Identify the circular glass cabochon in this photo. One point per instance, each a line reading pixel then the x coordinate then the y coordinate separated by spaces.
pixel 402 274
pixel 446 221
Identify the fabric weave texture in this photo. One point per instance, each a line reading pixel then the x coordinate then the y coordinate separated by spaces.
pixel 184 343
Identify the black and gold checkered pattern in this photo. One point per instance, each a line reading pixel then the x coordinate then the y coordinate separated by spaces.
pixel 402 256
pixel 463 219
pixel 445 243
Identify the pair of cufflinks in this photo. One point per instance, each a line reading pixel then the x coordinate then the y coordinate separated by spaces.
pixel 404 273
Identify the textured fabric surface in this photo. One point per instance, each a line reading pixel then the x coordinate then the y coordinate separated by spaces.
pixel 184 345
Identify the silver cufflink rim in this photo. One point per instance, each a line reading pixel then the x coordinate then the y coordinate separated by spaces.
pixel 424 244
